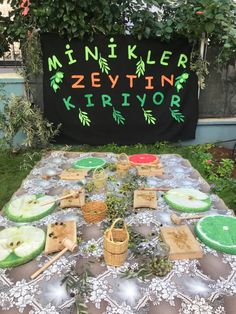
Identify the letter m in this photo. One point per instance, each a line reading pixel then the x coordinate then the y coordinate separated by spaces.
pixel 53 63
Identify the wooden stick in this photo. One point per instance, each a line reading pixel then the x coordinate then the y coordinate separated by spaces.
pixel 38 272
pixel 69 246
pixel 62 198
pixel 155 189
pixel 177 219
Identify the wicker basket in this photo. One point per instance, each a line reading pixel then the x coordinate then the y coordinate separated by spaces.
pixel 123 163
pixel 94 211
pixel 116 244
pixel 99 178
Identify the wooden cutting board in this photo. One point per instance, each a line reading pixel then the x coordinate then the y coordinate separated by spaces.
pixel 73 201
pixel 56 232
pixel 150 170
pixel 182 243
pixel 145 199
pixel 73 174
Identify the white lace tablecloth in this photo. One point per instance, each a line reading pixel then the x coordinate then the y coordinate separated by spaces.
pixel 193 286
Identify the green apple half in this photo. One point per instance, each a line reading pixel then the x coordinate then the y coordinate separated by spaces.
pixel 29 208
pixel 19 245
pixel 187 200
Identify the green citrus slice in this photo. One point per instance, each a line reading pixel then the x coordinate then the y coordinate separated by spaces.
pixel 218 232
pixel 187 200
pixel 89 163
pixel 19 245
pixel 29 208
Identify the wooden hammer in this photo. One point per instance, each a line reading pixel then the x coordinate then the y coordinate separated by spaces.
pixel 177 219
pixel 73 194
pixel 69 246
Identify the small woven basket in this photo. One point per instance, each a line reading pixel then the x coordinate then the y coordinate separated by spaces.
pixel 116 242
pixel 122 163
pixel 94 211
pixel 99 178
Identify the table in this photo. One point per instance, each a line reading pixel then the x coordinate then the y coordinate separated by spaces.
pixel 193 286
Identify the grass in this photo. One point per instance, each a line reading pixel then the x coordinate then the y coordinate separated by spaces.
pixel 14 167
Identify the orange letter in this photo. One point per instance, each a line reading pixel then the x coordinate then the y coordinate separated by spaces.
pixel 76 84
pixel 94 79
pixel 113 80
pixel 149 79
pixel 131 79
pixel 164 78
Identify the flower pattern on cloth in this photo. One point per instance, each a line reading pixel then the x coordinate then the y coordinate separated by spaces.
pixel 196 306
pixel 19 292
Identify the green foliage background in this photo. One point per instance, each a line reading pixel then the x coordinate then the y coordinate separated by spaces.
pixel 84 18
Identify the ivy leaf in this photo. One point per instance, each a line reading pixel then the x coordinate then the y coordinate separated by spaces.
pixel 209 27
pixel 103 64
pixel 140 67
pixel 117 116
pixel 177 115
pixel 149 117
pixel 84 119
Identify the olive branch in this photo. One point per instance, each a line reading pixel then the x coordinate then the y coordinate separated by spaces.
pixel 84 119
pixel 177 115
pixel 149 117
pixel 117 116
pixel 103 64
pixel 56 80
pixel 79 285
pixel 180 80
pixel 140 67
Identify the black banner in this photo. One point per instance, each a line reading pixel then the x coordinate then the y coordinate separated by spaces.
pixel 119 90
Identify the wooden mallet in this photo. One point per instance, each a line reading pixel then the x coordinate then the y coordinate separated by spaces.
pixel 73 194
pixel 177 219
pixel 155 189
pixel 69 246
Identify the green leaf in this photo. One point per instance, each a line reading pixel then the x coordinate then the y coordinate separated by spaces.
pixel 56 80
pixel 140 67
pixel 180 80
pixel 177 115
pixel 83 117
pixel 103 64
pixel 149 118
pixel 147 32
pixel 209 27
pixel 118 117
pixel 169 29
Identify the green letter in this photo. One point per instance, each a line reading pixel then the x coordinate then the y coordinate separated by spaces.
pixel 166 55
pixel 130 52
pixel 89 52
pixel 175 100
pixel 67 103
pixel 142 100
pixel 112 46
pixel 182 60
pixel 69 53
pixel 89 102
pixel 160 101
pixel 149 57
pixel 125 103
pixel 106 100
pixel 53 63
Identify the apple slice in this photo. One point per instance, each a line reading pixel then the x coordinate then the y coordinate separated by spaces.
pixel 19 245
pixel 187 200
pixel 29 208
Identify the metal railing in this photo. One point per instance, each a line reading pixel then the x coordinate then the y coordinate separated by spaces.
pixel 12 57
